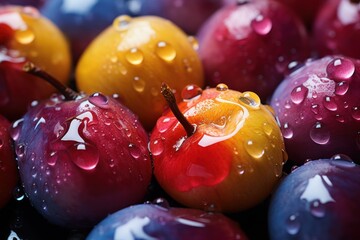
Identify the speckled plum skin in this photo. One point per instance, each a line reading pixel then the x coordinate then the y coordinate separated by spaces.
pixel 249 46
pixel 318 200
pixel 318 109
pixel 81 160
pixel 149 221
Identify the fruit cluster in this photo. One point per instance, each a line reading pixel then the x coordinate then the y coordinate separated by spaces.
pixel 179 119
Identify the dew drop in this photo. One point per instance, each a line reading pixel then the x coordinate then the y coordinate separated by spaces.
pixel 190 92
pixel 222 87
pixel 298 94
pixel 355 113
pixel 267 128
pixel 162 202
pixel 99 100
pixel 254 149
pixel 165 51
pixel 320 134
pixel 329 103
pixel 341 88
pixel 293 225
pixel 52 159
pixel 240 169
pixel 156 147
pixel 86 156
pixel 341 157
pixel 194 42
pixel 340 118
pixel 138 84
pixel 287 131
pixel 134 56
pixel 121 23
pixel 251 99
pixel 25 36
pixel 187 65
pixel 317 209
pixel 20 150
pixel 134 151
pixel 261 25
pixel 340 69
pixel 342 161
pixel 16 128
pixel 18 193
pixel 164 123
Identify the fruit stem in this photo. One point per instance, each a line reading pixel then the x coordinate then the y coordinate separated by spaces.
pixel 171 101
pixel 68 93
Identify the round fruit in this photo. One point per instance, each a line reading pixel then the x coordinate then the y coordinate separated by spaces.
pixel 318 108
pixel 140 54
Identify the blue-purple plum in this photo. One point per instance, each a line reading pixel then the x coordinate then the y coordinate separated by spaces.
pixel 318 200
pixel 318 109
pixel 153 222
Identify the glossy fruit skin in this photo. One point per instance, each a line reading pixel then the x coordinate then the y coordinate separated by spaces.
pixel 232 161
pixel 336 29
pixel 150 221
pixel 318 109
pixel 141 53
pixel 317 201
pixel 249 46
pixel 81 160
pixel 189 15
pixel 8 168
pixel 82 20
pixel 29 37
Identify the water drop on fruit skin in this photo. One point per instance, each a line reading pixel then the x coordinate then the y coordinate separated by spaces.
pixel 320 134
pixel 25 36
pixel 134 56
pixel 298 94
pixel 250 99
pixel 261 25
pixel 99 100
pixel 292 225
pixel 222 87
pixel 317 209
pixel 16 128
pixel 329 103
pixel 254 150
pixel 134 151
pixel 165 51
pixel 341 88
pixel 194 42
pixel 156 147
pixel 121 23
pixel 190 92
pixel 340 69
pixel 287 131
pixel 164 123
pixel 355 113
pixel 138 84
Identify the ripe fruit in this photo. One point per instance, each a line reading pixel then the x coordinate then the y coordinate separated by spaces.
pixel 318 200
pixel 318 109
pixel 248 46
pixel 82 20
pixel 336 29
pixel 140 54
pixel 150 221
pixel 27 36
pixel 229 154
pixel 82 157
pixel 8 168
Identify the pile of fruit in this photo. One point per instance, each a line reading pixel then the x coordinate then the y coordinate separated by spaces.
pixel 179 119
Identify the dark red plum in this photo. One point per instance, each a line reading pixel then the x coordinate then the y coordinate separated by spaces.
pixel 150 221
pixel 248 46
pixel 82 20
pixel 318 200
pixel 318 109
pixel 189 15
pixel 336 28
pixel 81 159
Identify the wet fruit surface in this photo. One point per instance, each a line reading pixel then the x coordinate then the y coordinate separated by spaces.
pixel 141 53
pixel 318 109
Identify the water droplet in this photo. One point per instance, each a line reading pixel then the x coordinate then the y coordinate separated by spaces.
pixel 340 69
pixel 25 36
pixel 315 108
pixel 298 94
pixel 135 151
pixel 114 59
pixel 165 51
pixel 317 209
pixel 251 99
pixel 18 193
pixel 121 23
pixel 240 169
pixel 99 100
pixel 254 150
pixel 52 159
pixel 164 123
pixel 342 161
pixel 341 157
pixel 162 202
pixel 329 103
pixel 261 25
pixel 85 156
pixel 16 128
pixel 222 87
pixel 320 134
pixel 190 92
pixel 355 113
pixel 156 147
pixel 341 88
pixel 267 128
pixel 287 131
pixel 293 225
pixel 187 65
pixel 134 56
pixel 194 42
pixel 138 84
pixel 20 151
